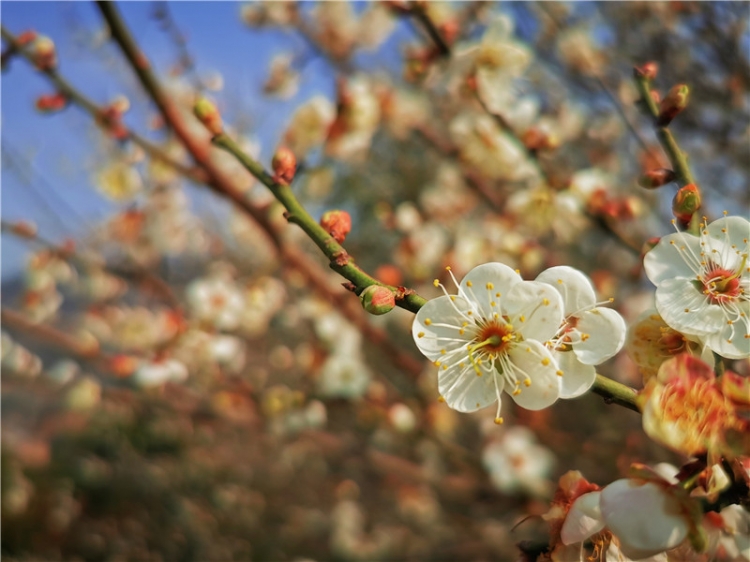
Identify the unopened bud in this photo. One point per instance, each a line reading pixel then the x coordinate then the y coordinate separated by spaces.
pixel 648 70
pixel 206 112
pixel 337 223
pixel 123 365
pixel 43 51
pixel 377 300
pixel 25 229
pixel 649 245
pixel 656 178
pixel 673 104
pixel 536 139
pixel 51 103
pixel 686 202
pixel 26 37
pixel 284 166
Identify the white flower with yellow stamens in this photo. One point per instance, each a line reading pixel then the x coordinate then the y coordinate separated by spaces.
pixel 703 284
pixel 490 338
pixel 588 336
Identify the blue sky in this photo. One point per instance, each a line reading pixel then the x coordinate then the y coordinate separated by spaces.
pixel 58 193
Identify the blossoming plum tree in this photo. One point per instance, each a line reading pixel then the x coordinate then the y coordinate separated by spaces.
pixel 216 354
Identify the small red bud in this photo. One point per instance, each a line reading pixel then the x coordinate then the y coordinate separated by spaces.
pixel 24 229
pixel 206 112
pixel 656 178
pixel 377 300
pixel 51 102
pixel 337 223
pixel 535 139
pixel 686 202
pixel 647 70
pixel 26 37
pixel 284 166
pixel 123 365
pixel 673 104
pixel 649 245
pixel 449 31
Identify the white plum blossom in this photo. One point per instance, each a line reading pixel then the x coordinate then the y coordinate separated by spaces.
pixel 645 518
pixel 216 300
pixel 516 462
pixel 588 336
pixel 703 284
pixel 491 338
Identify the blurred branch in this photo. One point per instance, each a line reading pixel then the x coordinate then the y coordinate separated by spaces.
pixel 13 320
pixel 224 185
pixel 99 113
pixel 339 259
pixel 147 276
pixel 676 157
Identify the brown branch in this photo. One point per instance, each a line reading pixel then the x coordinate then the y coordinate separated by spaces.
pixel 224 185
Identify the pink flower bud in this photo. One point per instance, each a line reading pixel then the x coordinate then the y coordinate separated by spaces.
pixel 377 300
pixel 284 166
pixel 206 112
pixel 656 178
pixel 647 70
pixel 51 103
pixel 686 202
pixel 673 104
pixel 24 229
pixel 337 223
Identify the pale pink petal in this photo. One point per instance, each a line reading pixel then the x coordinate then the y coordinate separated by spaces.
pixel 737 232
pixel 464 391
pixel 574 287
pixel 668 258
pixel 577 378
pixel 645 519
pixel 686 309
pixel 533 359
pixel 606 330
pixel 535 309
pixel 583 520
pixel 496 275
pixel 434 337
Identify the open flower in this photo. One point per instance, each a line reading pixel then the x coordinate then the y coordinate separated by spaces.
pixel 703 284
pixel 638 517
pixel 685 409
pixel 588 336
pixel 490 338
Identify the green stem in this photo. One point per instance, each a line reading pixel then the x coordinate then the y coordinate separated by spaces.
pixel 340 261
pixel 614 392
pixel 676 157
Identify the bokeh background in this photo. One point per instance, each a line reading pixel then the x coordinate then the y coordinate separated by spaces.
pixel 249 414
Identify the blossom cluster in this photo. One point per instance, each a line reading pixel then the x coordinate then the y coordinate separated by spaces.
pixel 535 340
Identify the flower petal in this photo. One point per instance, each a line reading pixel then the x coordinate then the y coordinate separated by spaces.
pixel 535 310
pixel 496 275
pixel 574 287
pixel 732 340
pixel 734 231
pixel 583 520
pixel 464 391
pixel 667 259
pixel 437 326
pixel 533 359
pixel 577 378
pixel 606 330
pixel 686 309
pixel 623 505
